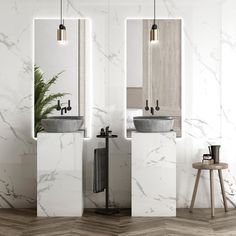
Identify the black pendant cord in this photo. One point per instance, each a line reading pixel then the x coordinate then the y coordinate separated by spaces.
pixel 154 20
pixel 61 13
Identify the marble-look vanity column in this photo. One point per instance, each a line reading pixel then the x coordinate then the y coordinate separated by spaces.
pixel 153 174
pixel 59 174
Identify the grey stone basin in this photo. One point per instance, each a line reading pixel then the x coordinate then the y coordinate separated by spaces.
pixel 62 124
pixel 153 124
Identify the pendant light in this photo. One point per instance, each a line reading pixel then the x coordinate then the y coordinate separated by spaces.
pixel 61 32
pixel 154 33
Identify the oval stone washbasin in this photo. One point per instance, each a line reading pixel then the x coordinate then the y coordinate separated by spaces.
pixel 62 124
pixel 153 124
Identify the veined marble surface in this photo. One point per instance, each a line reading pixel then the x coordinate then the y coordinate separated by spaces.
pixel 153 174
pixel 59 174
pixel 208 79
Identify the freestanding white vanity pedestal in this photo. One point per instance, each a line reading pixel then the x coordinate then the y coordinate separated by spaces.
pixel 59 174
pixel 153 174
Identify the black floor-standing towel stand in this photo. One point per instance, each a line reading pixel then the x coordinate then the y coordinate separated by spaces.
pixel 107 134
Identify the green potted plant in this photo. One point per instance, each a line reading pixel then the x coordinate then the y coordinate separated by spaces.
pixel 42 99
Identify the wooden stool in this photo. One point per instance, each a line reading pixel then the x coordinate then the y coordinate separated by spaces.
pixel 202 166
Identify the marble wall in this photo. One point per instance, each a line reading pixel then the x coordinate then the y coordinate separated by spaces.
pixel 59 174
pixel 209 39
pixel 153 171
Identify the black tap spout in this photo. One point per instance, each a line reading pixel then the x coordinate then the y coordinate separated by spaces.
pixel 63 109
pixel 152 110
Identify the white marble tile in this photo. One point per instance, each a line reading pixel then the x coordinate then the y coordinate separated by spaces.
pixel 209 38
pixel 228 96
pixel 153 174
pixel 59 174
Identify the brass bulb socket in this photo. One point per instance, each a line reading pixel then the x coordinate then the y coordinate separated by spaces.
pixel 154 35
pixel 61 35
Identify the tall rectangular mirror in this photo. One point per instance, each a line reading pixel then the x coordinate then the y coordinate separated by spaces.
pixel 66 63
pixel 153 71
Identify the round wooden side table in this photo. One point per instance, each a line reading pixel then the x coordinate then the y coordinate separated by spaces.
pixel 211 167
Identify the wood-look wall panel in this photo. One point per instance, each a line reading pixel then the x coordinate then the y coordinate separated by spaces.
pixel 135 98
pixel 162 69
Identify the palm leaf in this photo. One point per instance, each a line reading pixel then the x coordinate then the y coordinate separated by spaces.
pixel 50 98
pixel 42 101
pixel 47 111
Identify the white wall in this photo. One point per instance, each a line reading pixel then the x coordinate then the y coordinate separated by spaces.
pixel 228 95
pixel 134 53
pixel 54 58
pixel 208 50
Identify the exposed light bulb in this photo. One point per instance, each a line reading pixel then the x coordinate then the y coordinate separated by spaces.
pixel 61 31
pixel 61 35
pixel 154 34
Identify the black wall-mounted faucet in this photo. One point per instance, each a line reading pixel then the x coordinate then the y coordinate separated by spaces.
pixel 146 107
pixel 65 109
pixel 157 108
